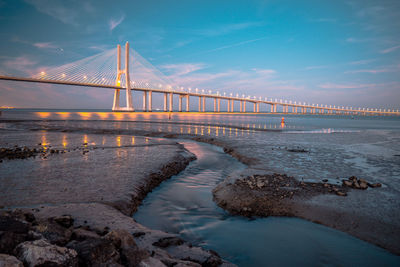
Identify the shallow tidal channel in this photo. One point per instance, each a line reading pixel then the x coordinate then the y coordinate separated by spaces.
pixel 183 205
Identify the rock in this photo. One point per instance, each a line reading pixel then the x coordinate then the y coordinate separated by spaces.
pixel 12 232
pixel 260 184
pixel 121 239
pixel 151 262
pixel 325 180
pixel 353 178
pixel 65 220
pixel 81 234
pixel 375 185
pixel 95 252
pixel 42 253
pixel 133 256
pixel 342 194
pixel 168 241
pixel 361 181
pixel 363 185
pixel 347 183
pixel 53 232
pixel 9 261
pixel 356 185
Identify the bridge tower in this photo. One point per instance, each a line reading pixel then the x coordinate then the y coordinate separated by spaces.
pixel 129 105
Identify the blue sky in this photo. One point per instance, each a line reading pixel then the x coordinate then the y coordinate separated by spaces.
pixel 322 52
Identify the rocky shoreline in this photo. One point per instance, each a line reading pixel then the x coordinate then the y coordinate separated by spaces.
pixel 99 233
pixel 30 239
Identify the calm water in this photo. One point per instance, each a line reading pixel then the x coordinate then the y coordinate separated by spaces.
pixel 183 205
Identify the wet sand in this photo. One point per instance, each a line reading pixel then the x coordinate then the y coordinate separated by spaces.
pixel 370 215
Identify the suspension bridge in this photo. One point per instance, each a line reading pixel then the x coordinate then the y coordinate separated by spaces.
pixel 104 71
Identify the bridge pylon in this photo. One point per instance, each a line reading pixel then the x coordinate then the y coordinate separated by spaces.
pixel 129 104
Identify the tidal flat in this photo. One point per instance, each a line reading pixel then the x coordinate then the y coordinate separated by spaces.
pixel 106 167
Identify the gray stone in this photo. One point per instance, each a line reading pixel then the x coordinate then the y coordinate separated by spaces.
pixel 9 261
pixel 40 252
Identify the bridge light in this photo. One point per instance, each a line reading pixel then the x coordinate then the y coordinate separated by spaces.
pixel 43 73
pixel 85 77
pixel 63 75
pixel 160 85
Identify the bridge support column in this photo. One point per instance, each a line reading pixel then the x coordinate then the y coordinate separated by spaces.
pixel 199 103
pixel 204 104
pixel 229 105
pixel 165 102
pixel 258 107
pixel 254 107
pixel 180 103
pixel 150 106
pixel 144 100
pixel 215 104
pixel 171 103
pixel 187 103
pixel 241 106
pixel 219 104
pixel 244 106
pixel 129 105
pixel 232 105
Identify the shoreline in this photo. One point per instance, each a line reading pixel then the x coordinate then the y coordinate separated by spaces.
pixel 305 209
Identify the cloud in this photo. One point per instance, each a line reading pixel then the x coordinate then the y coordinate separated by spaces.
pixel 226 29
pixel 67 12
pixel 113 23
pixel 358 40
pixel 234 45
pixel 392 68
pixel 317 67
pixel 389 50
pixel 329 20
pixel 182 69
pixel 47 45
pixel 344 86
pixel 21 65
pixel 362 62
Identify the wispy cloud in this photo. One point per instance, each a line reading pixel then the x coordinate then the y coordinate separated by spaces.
pixel 389 50
pixel 328 20
pixel 21 64
pixel 344 86
pixel 235 44
pixel 64 11
pixel 182 69
pixel 227 28
pixel 317 67
pixel 361 62
pixel 46 45
pixel 113 23
pixel 392 68
pixel 358 40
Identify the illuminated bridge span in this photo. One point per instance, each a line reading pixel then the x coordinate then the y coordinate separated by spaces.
pixel 109 74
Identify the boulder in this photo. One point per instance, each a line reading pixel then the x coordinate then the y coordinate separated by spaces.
pixel 121 239
pixel 151 262
pixel 168 241
pixel 363 185
pixel 347 183
pixel 53 232
pixel 95 252
pixel 12 232
pixel 9 261
pixel 374 185
pixel 42 253
pixel 82 234
pixel 65 220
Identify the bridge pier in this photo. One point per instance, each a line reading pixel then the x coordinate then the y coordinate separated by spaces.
pixel 180 103
pixel 219 104
pixel 254 107
pixel 229 105
pixel 187 103
pixel 171 103
pixel 199 103
pixel 144 100
pixel 204 104
pixel 241 106
pixel 150 105
pixel 232 107
pixel 244 106
pixel 165 102
pixel 215 104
